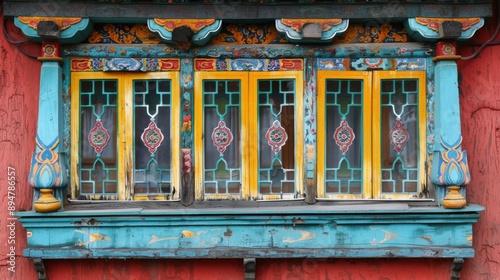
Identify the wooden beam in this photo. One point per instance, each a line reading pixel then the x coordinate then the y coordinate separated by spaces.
pixel 236 10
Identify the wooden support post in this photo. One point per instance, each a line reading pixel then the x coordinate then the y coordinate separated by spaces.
pixel 449 164
pixel 48 165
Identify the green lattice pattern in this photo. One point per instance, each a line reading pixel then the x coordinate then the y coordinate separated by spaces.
pixel 343 102
pixel 221 106
pixel 152 159
pixel 399 101
pixel 98 103
pixel 276 164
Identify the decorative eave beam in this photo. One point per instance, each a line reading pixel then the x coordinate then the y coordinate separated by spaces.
pixel 238 11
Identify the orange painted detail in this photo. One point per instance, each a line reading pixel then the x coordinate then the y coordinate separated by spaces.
pixel 433 23
pixel 204 64
pixel 195 24
pixel 82 64
pixel 169 64
pixel 373 33
pixel 291 64
pixel 64 23
pixel 298 24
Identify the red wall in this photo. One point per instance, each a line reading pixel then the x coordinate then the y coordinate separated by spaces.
pixel 480 109
pixel 19 82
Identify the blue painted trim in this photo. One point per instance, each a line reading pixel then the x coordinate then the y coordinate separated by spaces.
pixel 277 232
pixel 403 50
pixel 431 252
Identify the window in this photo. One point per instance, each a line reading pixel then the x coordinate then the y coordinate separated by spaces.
pixel 371 134
pixel 124 131
pixel 248 135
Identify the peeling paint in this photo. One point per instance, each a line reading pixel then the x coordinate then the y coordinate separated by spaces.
pixel 469 238
pixel 155 239
pixel 427 238
pixel 305 235
pixel 93 237
pixel 297 221
pixel 187 234
pixel 388 236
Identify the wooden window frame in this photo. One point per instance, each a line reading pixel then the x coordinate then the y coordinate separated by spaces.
pixel 371 131
pixel 125 136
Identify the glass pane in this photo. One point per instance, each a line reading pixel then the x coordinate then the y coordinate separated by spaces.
pixel 276 137
pixel 98 138
pixel 399 135
pixel 222 143
pixel 344 126
pixel 152 126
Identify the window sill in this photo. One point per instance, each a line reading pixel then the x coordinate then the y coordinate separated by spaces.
pixel 268 230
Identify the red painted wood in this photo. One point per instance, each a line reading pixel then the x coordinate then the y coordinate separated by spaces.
pixel 215 269
pixel 19 83
pixel 480 109
pixel 354 269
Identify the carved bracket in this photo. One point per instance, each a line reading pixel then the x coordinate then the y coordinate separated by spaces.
pixel 70 30
pixel 432 29
pixel 202 30
pixel 311 30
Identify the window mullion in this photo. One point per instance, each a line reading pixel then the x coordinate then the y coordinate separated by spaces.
pixel 125 138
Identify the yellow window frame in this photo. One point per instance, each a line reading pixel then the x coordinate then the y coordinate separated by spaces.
pixel 125 118
pixel 249 127
pixel 372 177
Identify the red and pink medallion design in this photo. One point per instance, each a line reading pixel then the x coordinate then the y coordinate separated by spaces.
pixel 222 137
pixel 344 136
pixel 98 137
pixel 399 136
pixel 276 136
pixel 152 137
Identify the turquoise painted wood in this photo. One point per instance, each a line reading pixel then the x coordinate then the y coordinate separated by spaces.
pixel 402 50
pixel 449 162
pixel 305 231
pixel 48 164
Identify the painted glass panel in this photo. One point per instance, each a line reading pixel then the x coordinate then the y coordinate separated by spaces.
pixel 222 141
pixel 399 135
pixel 152 114
pixel 344 125
pixel 98 104
pixel 276 99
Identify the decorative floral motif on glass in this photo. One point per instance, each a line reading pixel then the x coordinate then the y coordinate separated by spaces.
pixel 222 137
pixel 276 136
pixel 152 137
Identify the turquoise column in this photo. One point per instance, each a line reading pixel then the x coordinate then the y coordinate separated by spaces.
pixel 450 172
pixel 49 172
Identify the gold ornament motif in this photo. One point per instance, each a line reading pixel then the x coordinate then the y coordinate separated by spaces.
pixel 298 24
pixel 195 24
pixel 433 23
pixel 62 22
